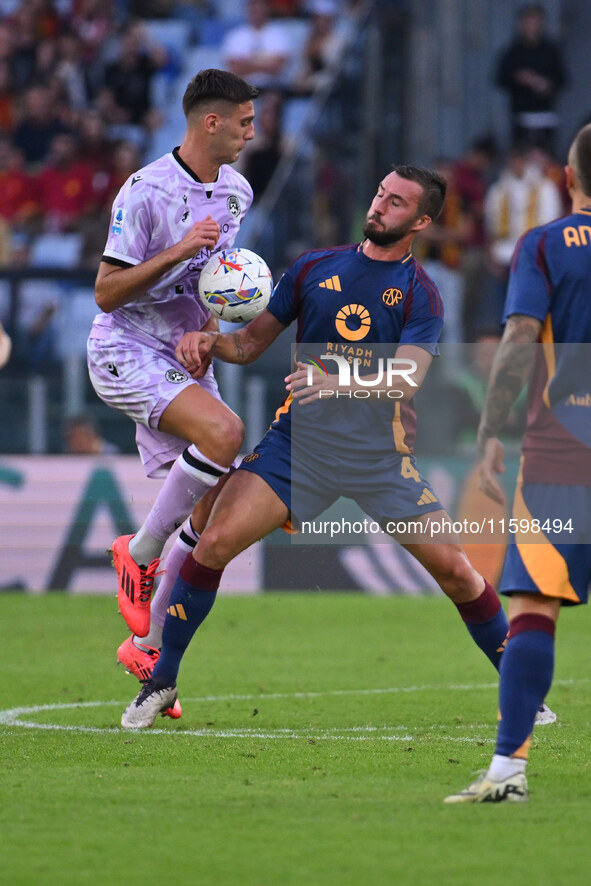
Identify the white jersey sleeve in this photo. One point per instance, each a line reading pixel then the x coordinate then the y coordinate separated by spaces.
pixel 131 225
pixel 153 211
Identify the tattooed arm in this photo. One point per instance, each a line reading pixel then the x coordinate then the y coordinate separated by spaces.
pixel 242 346
pixel 510 371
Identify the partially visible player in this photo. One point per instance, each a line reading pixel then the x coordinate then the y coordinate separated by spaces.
pixel 5 346
pixel 166 221
pixel 373 465
pixel 549 302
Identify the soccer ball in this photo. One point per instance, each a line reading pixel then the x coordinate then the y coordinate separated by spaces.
pixel 235 285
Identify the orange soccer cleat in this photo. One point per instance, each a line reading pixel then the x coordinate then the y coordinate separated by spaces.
pixel 135 586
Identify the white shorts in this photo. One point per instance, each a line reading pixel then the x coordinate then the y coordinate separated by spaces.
pixel 139 382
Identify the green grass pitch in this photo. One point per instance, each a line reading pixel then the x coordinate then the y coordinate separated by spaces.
pixel 320 735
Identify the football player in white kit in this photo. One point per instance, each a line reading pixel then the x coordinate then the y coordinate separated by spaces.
pixel 167 220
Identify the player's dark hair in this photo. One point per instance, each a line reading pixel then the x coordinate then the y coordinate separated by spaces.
pixel 433 185
pixel 213 85
pixel 580 158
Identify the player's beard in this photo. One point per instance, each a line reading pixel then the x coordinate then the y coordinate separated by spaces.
pixel 386 236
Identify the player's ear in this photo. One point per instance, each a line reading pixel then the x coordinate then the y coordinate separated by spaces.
pixel 211 122
pixel 422 222
pixel 570 177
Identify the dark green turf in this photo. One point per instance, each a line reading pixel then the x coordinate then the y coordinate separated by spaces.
pixel 240 804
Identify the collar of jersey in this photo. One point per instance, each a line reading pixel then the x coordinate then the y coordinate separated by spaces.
pixel 586 210
pixel 187 169
pixel 395 261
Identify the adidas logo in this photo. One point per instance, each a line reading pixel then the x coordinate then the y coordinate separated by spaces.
pixel 427 497
pixel 177 610
pixel 143 673
pixel 128 585
pixel 331 283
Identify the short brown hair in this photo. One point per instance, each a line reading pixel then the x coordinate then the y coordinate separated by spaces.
pixel 433 185
pixel 212 84
pixel 579 158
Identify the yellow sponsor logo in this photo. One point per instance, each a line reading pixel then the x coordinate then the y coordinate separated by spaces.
pixel 427 497
pixel 353 322
pixel 332 283
pixel 392 297
pixel 178 611
pixel 252 457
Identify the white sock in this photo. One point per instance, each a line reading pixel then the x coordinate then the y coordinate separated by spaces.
pixel 504 767
pixel 144 644
pixel 190 477
pixel 144 547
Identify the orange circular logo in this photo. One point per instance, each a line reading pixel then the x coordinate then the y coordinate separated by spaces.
pixel 391 297
pixel 353 322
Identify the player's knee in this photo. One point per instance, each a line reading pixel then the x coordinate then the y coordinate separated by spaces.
pixel 224 438
pixel 216 547
pixel 232 435
pixel 456 576
pixel 234 432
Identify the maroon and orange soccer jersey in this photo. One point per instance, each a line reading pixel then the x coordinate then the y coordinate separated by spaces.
pixel 550 281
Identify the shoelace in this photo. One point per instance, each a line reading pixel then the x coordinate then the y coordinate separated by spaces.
pixel 147 584
pixel 148 690
pixel 144 693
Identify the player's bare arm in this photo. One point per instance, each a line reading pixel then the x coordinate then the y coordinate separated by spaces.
pixel 407 383
pixel 242 346
pixel 511 368
pixel 116 286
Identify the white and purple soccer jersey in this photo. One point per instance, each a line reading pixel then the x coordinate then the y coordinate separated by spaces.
pixel 131 351
pixel 153 211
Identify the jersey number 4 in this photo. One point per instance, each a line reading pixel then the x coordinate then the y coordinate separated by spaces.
pixel 408 470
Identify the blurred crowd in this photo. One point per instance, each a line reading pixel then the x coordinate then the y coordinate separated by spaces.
pixel 75 113
pixel 80 111
pixel 88 92
pixel 493 198
pixel 77 99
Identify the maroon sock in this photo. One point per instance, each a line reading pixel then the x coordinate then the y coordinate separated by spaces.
pixel 481 609
pixel 199 576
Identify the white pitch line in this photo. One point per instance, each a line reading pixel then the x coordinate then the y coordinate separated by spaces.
pixel 12 716
pixel 353 733
pixel 388 690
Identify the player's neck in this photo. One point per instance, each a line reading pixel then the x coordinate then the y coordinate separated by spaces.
pixel 580 201
pixel 205 168
pixel 395 252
